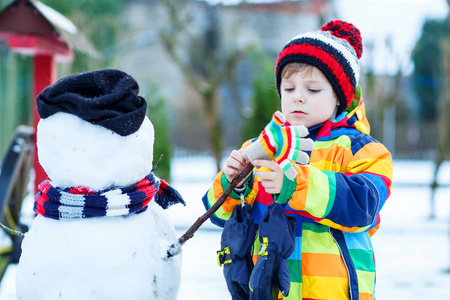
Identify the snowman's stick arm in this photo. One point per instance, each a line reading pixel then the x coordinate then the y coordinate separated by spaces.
pixel 175 248
pixel 11 231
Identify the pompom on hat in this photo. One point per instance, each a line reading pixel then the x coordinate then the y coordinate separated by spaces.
pixel 106 97
pixel 335 50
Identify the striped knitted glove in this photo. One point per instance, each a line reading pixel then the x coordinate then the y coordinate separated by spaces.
pixel 282 144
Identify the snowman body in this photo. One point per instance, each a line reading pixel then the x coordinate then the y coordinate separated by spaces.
pixel 114 257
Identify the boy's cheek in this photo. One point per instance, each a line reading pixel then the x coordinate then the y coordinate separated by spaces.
pixel 284 110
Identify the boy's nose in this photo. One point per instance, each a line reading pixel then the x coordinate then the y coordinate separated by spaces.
pixel 299 97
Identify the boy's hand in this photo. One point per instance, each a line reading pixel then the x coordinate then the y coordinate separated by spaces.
pixel 272 180
pixel 235 164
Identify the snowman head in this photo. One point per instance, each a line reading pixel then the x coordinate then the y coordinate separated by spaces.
pixel 94 131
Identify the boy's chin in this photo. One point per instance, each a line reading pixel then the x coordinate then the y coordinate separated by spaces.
pixel 307 122
pixel 296 122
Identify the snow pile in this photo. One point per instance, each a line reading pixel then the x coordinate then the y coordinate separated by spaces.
pixel 111 258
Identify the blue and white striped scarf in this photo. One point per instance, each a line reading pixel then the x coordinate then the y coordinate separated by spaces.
pixel 81 202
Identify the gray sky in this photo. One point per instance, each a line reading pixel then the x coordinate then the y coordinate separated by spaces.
pixel 400 19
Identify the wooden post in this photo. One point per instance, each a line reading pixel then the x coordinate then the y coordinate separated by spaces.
pixel 44 74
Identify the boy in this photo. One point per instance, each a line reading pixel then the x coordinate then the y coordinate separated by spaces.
pixel 337 197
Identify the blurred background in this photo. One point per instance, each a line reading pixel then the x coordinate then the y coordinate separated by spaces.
pixel 206 68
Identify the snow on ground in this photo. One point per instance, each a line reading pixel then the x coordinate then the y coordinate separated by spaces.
pixel 412 251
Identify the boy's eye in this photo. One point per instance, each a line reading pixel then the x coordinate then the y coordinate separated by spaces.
pixel 289 89
pixel 314 90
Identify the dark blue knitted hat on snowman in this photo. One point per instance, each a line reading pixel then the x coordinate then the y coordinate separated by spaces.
pixel 107 97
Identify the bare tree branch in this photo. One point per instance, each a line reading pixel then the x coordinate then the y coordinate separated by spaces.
pixel 205 59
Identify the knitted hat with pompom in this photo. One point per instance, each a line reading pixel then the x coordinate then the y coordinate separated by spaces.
pixel 335 50
pixel 106 97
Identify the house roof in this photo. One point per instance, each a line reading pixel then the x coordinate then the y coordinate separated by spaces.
pixel 32 17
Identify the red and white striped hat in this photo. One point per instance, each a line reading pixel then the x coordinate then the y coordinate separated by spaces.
pixel 335 50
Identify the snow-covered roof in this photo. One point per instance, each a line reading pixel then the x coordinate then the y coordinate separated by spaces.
pixel 56 18
pixel 35 18
pixel 68 31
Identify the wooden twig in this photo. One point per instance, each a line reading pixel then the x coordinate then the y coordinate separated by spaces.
pixel 157 164
pixel 175 248
pixel 12 231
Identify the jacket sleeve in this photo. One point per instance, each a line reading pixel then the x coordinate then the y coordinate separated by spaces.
pixel 219 185
pixel 350 200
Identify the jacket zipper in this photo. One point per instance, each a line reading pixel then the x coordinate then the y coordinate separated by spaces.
pixel 345 263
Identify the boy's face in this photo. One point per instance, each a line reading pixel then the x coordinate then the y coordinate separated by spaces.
pixel 307 98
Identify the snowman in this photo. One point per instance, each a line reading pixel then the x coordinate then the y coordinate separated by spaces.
pixel 101 231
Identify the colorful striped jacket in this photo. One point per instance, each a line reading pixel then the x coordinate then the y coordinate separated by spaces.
pixel 336 200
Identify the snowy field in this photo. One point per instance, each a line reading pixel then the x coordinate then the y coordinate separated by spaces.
pixel 412 252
